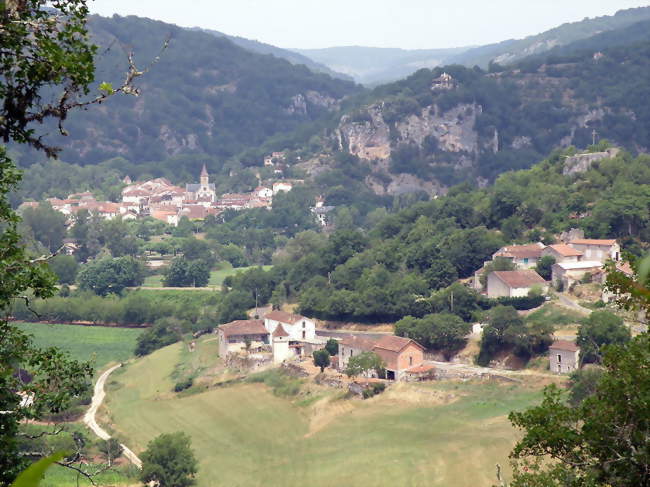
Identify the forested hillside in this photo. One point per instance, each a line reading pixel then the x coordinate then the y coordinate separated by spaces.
pixel 402 264
pixel 220 100
pixel 428 131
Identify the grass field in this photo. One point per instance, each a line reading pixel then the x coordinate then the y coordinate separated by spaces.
pixel 100 343
pixel 243 435
pixel 216 276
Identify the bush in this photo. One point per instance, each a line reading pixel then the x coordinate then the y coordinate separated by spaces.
pixel 183 384
pixel 374 389
pixel 521 303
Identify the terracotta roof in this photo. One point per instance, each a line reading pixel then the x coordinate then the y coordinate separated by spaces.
pixel 359 342
pixel 521 251
pixel 564 345
pixel 244 327
pixel 394 343
pixel 591 241
pixel 625 268
pixel 519 279
pixel 284 317
pixel 280 331
pixel 564 250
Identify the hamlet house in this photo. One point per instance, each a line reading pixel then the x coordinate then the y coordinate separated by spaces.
pixel 599 250
pixel 400 355
pixel 565 274
pixel 514 283
pixel 564 357
pixel 522 256
pixel 562 253
pixel 234 336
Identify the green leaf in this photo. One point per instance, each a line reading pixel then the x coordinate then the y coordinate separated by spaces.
pixel 106 87
pixel 33 475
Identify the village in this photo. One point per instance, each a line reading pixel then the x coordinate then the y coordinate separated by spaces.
pixel 160 199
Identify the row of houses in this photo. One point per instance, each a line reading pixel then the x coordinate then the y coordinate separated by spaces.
pixel 573 261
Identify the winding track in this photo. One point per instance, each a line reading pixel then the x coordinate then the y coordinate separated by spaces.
pixel 89 418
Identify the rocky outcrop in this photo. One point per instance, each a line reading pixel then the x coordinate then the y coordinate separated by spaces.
pixel 369 139
pixel 583 162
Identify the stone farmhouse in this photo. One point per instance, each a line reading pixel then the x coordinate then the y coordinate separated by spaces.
pixel 514 284
pixel 282 334
pixel 400 355
pixel 564 357
pixel 562 253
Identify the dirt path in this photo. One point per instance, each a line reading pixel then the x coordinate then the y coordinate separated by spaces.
pixel 569 303
pixel 89 418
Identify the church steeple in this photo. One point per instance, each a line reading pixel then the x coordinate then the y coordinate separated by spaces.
pixel 204 176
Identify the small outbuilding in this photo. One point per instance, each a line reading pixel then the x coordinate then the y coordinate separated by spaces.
pixel 564 357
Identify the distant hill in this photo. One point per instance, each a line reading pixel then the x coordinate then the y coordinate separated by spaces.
pixel 291 56
pixel 206 95
pixel 511 51
pixel 374 65
pixel 453 124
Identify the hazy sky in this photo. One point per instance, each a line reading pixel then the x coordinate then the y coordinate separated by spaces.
pixel 408 24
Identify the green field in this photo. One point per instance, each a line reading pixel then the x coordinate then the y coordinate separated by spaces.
pixel 100 343
pixel 216 276
pixel 243 435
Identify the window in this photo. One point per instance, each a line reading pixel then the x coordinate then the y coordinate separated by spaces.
pixel 303 334
pixel 525 260
pixel 559 358
pixel 303 324
pixel 410 360
pixel 559 368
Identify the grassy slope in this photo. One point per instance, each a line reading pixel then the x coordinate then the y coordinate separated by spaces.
pixel 216 277
pixel 245 436
pixel 101 343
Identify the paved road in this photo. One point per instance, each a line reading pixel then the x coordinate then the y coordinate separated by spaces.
pixel 89 418
pixel 346 333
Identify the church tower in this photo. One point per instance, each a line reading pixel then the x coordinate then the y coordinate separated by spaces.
pixel 205 179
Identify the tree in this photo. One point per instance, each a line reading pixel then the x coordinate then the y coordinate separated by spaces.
pixel 169 461
pixel 56 379
pixel 46 225
pixel 111 276
pixel 111 449
pixel 600 328
pixel 44 46
pixel 601 441
pixel 544 266
pixel 321 358
pixel 583 383
pixel 185 273
pixel 363 363
pixel 444 331
pixel 165 331
pixel 332 347
pixel 65 267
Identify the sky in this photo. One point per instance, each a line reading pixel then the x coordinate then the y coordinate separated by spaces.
pixel 409 24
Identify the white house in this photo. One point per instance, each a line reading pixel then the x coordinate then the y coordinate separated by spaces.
pixel 564 357
pixel 522 256
pixel 600 250
pixel 281 186
pixel 264 192
pixel 281 349
pixel 513 283
pixel 299 328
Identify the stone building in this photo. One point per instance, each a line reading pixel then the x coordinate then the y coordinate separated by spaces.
pixel 564 357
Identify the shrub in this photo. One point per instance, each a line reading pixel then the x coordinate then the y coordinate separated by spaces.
pixel 183 384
